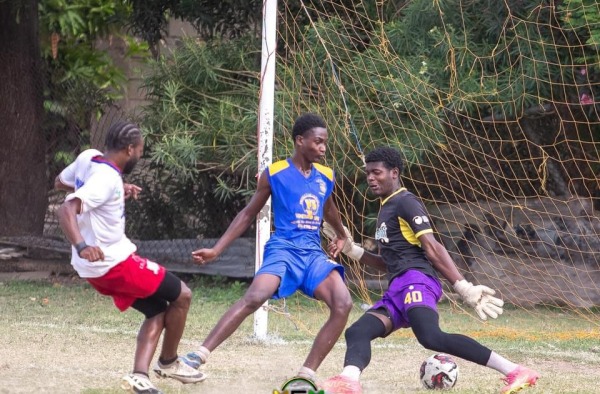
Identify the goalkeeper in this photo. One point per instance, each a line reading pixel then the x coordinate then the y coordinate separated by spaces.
pixel 412 257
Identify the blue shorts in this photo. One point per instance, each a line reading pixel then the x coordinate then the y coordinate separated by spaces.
pixel 409 290
pixel 298 268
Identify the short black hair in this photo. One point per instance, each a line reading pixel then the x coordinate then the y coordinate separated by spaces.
pixel 306 122
pixel 390 157
pixel 122 134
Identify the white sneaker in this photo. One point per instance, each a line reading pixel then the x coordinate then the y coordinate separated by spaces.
pixel 179 370
pixel 139 384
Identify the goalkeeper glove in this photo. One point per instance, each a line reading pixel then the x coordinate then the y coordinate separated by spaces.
pixel 480 298
pixel 351 249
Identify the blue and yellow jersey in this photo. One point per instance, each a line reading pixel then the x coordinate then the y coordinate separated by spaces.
pixel 298 200
pixel 402 219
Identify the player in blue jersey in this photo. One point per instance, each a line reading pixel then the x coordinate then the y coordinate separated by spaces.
pixel 412 259
pixel 301 192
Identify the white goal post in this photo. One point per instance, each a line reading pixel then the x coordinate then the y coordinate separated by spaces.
pixel 265 141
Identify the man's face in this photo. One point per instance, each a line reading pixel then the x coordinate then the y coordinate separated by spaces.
pixel 382 181
pixel 313 144
pixel 135 153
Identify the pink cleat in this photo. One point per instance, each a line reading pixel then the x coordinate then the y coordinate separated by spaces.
pixel 519 379
pixel 341 385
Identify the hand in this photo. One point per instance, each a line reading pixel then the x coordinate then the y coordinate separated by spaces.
pixel 131 190
pixel 480 298
pixel 489 306
pixel 203 256
pixel 347 245
pixel 92 253
pixel 335 246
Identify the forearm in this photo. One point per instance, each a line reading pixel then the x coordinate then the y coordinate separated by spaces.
pixel 67 219
pixel 238 226
pixel 373 260
pixel 443 263
pixel 332 216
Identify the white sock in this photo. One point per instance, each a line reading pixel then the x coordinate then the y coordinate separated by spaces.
pixel 501 364
pixel 307 373
pixel 203 353
pixel 351 372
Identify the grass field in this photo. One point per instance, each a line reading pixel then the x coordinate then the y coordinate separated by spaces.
pixel 60 336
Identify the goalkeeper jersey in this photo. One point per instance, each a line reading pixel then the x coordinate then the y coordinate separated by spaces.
pixel 401 220
pixel 298 202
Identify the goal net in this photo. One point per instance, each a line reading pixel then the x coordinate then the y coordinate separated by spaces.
pixel 493 105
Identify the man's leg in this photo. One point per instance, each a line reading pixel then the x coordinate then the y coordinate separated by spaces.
pixel 147 341
pixel 334 293
pixel 165 309
pixel 358 352
pixel 175 318
pixel 425 325
pixel 262 288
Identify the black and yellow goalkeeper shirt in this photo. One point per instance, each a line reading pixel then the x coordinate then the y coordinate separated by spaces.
pixel 401 220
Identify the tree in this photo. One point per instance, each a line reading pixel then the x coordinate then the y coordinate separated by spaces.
pixel 22 163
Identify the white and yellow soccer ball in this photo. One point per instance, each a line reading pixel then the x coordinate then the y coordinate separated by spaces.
pixel 439 371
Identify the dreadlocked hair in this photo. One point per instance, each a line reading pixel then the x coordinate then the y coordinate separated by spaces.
pixel 307 122
pixel 390 158
pixel 122 134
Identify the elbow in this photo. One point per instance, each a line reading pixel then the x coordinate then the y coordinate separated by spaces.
pixel 61 213
pixel 58 185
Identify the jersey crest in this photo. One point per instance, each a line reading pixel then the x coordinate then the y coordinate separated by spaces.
pixel 381 234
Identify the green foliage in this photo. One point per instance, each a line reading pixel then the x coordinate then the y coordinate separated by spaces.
pixel 80 78
pixel 200 133
pixel 583 18
pixel 202 116
pixel 414 70
pixel 69 30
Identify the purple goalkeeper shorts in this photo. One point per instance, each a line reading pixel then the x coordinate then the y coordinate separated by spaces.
pixel 409 290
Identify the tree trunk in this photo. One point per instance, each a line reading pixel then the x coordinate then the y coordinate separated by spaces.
pixel 23 190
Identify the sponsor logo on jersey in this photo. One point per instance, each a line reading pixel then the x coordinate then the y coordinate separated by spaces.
pixel 418 220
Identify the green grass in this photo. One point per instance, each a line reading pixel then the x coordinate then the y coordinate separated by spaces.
pixel 65 330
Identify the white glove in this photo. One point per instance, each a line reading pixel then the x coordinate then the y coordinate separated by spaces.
pixel 351 249
pixel 480 298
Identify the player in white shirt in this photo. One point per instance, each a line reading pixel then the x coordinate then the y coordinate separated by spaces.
pixel 93 220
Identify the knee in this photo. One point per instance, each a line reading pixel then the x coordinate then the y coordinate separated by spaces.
pixel 185 297
pixel 353 333
pixel 253 300
pixel 342 305
pixel 432 340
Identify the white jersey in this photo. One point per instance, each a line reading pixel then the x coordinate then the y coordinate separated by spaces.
pixel 99 186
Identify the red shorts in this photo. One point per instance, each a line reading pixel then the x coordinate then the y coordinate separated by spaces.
pixel 132 279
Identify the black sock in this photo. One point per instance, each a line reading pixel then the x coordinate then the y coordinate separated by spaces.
pixel 167 362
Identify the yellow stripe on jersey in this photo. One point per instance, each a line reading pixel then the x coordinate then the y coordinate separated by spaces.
pixel 278 166
pixel 328 172
pixel 392 195
pixel 428 231
pixel 408 233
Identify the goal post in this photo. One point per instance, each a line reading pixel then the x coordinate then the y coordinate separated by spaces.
pixel 265 141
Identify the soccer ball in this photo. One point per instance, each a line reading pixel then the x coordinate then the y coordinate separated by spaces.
pixel 439 372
